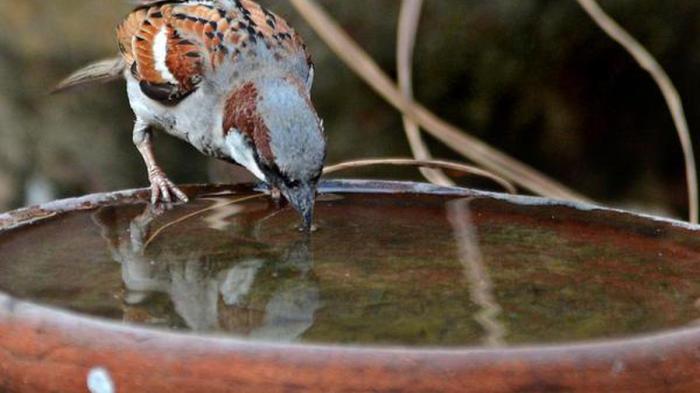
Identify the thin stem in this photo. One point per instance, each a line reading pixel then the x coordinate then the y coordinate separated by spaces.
pixel 436 164
pixel 671 96
pixel 468 146
pixel 409 19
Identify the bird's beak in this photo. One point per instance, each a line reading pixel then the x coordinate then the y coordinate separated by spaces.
pixel 302 199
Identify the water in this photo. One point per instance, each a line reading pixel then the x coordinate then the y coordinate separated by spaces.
pixel 382 269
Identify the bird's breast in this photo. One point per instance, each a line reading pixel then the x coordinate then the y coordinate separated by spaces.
pixel 196 120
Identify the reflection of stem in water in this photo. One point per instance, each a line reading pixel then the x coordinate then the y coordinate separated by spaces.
pixel 222 211
pixel 480 284
pixel 697 308
pixel 184 218
pixel 259 223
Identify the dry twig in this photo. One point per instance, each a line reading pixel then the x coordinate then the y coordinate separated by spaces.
pixel 433 164
pixel 468 146
pixel 407 31
pixel 673 100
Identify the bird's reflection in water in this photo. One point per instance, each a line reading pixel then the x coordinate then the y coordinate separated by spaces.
pixel 273 296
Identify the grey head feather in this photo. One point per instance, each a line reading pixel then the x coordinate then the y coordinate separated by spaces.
pixel 296 136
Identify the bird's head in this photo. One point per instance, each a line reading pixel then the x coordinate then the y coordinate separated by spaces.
pixel 273 130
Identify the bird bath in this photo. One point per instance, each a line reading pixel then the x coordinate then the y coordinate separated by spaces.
pixel 404 287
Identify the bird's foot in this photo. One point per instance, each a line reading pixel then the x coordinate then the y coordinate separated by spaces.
pixel 162 189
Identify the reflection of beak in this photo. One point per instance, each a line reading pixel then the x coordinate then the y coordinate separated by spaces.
pixel 302 199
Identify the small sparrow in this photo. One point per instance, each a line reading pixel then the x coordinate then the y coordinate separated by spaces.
pixel 227 76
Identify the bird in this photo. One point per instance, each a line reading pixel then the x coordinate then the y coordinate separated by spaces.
pixel 229 77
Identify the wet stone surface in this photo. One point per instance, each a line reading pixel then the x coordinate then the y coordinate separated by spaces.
pixel 382 269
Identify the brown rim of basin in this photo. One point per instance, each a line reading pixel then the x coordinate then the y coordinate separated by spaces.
pixel 48 350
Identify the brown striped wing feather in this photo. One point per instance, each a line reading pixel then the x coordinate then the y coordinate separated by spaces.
pixel 170 46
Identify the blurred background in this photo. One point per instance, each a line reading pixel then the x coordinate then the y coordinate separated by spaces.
pixel 534 78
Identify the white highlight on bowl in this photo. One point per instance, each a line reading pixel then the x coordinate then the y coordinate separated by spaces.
pixel 99 381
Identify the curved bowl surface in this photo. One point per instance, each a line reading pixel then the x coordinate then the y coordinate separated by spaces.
pixel 48 350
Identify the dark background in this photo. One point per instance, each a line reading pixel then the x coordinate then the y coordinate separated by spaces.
pixel 535 78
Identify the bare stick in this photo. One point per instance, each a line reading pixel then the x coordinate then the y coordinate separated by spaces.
pixel 468 146
pixel 409 19
pixel 435 164
pixel 673 100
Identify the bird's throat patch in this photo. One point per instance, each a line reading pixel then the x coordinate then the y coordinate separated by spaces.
pixel 241 113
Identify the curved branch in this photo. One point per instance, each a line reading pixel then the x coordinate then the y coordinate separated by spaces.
pixel 434 164
pixel 673 100
pixel 409 19
pixel 468 146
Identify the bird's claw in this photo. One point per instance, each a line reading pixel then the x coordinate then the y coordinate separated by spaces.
pixel 163 190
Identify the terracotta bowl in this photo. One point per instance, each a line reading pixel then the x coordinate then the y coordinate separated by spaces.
pixel 48 350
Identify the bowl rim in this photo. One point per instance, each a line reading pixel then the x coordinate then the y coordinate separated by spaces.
pixel 65 320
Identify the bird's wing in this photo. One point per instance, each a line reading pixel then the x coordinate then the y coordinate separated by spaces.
pixel 170 46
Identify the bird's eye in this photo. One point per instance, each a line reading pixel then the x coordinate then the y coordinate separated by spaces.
pixel 293 183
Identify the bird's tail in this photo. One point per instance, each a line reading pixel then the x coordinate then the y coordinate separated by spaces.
pixel 99 72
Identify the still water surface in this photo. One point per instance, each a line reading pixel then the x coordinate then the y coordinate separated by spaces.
pixel 382 269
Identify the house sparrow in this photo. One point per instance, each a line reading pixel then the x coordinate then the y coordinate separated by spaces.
pixel 229 77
